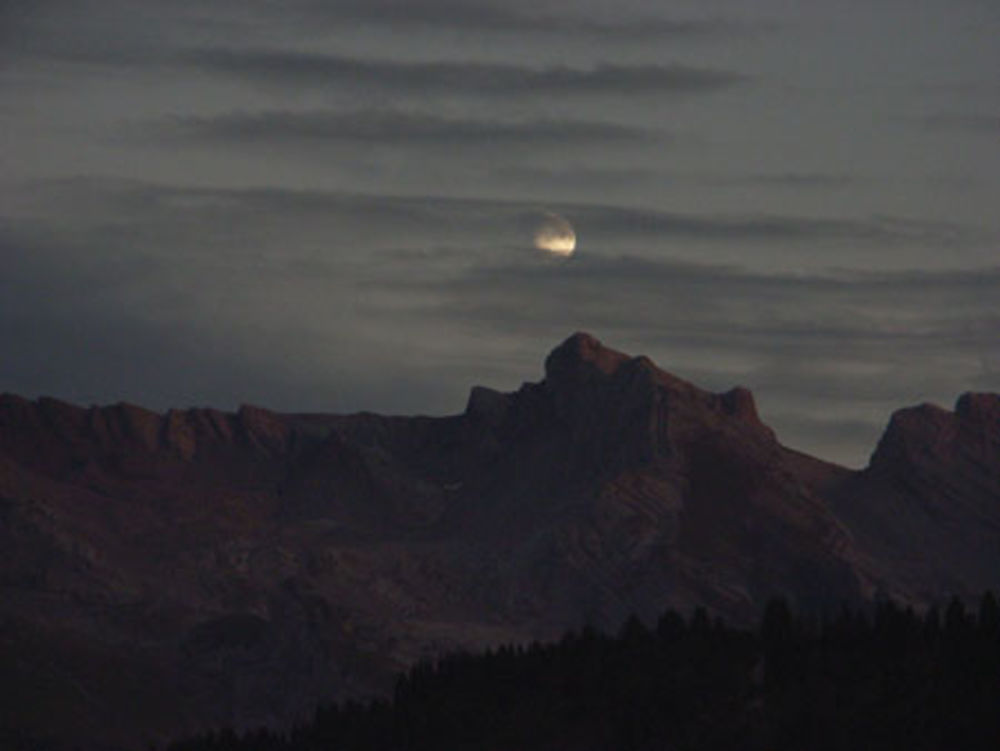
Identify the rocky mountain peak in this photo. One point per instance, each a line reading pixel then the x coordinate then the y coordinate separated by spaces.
pixel 584 365
pixel 624 411
pixel 739 402
pixel 979 408
pixel 582 351
pixel 914 433
pixel 929 441
pixel 582 368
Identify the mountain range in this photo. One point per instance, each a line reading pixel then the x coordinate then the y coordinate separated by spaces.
pixel 166 573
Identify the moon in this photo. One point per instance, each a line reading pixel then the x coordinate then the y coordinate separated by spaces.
pixel 555 235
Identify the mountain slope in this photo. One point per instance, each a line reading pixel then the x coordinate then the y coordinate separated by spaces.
pixel 251 564
pixel 927 508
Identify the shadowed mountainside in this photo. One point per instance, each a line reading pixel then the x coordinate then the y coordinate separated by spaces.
pixel 167 573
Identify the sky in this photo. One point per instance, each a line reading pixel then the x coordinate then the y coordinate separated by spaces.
pixel 329 206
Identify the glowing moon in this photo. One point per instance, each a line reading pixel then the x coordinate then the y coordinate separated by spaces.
pixel 555 235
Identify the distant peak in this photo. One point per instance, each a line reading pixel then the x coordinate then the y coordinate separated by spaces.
pixel 913 433
pixel 739 401
pixel 582 348
pixel 979 407
pixel 584 339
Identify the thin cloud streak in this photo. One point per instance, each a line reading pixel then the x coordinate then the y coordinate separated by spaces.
pixel 78 33
pixel 494 17
pixel 283 68
pixel 887 229
pixel 870 306
pixel 479 213
pixel 391 127
pixel 503 217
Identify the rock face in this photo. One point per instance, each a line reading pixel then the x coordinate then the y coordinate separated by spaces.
pixel 167 573
pixel 926 510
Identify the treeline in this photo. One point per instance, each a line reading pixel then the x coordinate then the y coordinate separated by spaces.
pixel 885 678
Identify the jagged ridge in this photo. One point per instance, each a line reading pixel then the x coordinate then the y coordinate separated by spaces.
pixel 210 552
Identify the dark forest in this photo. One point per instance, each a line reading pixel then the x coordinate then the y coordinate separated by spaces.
pixel 885 678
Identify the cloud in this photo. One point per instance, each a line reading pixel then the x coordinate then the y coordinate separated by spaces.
pixel 604 229
pixel 112 33
pixel 159 33
pixel 286 67
pixel 396 128
pixel 839 349
pixel 760 227
pixel 604 226
pixel 90 319
pixel 870 306
pixel 338 301
pixel 507 17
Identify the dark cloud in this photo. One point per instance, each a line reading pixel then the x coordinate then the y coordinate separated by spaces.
pixel 107 33
pixel 604 228
pixel 507 17
pixel 116 33
pixel 396 128
pixel 580 180
pixel 873 302
pixel 760 227
pixel 88 319
pixel 606 225
pixel 137 50
pixel 284 67
pixel 68 333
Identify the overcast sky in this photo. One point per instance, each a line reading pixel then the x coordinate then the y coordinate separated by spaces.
pixel 323 205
